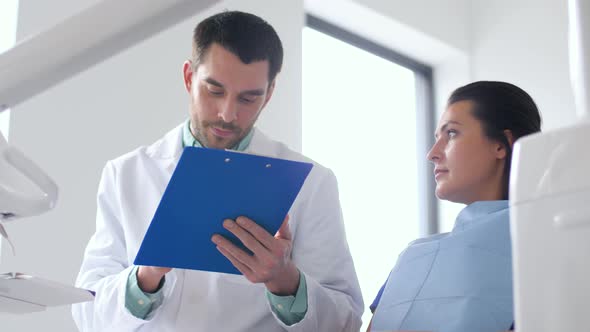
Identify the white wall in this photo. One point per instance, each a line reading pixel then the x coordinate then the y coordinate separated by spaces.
pixel 129 100
pixel 446 21
pixel 525 42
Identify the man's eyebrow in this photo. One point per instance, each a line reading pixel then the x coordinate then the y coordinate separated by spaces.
pixel 213 82
pixel 443 127
pixel 255 92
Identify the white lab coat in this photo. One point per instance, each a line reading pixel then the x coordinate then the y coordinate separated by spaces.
pixel 128 195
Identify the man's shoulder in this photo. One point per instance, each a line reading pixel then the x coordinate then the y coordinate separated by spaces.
pixel 279 149
pixel 165 147
pixel 129 157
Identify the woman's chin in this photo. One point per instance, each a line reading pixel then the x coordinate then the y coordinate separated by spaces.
pixel 440 192
pixel 444 194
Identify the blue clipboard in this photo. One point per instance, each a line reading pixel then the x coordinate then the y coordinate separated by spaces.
pixel 207 187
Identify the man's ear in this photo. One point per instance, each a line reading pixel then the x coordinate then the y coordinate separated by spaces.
pixel 187 75
pixel 501 151
pixel 271 89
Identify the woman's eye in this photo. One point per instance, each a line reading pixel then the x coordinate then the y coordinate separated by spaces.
pixel 216 93
pixel 451 133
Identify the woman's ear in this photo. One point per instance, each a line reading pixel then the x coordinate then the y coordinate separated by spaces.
pixel 501 151
pixel 509 137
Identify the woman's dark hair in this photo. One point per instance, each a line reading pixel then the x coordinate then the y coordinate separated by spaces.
pixel 501 106
pixel 246 35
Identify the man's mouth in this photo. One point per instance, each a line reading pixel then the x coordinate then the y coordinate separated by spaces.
pixel 223 133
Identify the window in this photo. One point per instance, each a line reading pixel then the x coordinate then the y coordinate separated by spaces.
pixel 8 17
pixel 367 115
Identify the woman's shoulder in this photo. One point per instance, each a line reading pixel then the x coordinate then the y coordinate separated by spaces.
pixel 427 239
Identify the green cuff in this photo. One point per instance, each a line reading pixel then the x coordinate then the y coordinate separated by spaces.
pixel 290 309
pixel 139 303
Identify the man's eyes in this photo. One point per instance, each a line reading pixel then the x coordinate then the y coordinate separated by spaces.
pixel 247 100
pixel 215 92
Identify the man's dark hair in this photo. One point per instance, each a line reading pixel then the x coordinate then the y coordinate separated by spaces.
pixel 501 106
pixel 247 36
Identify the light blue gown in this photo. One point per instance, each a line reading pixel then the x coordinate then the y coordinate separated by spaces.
pixel 453 282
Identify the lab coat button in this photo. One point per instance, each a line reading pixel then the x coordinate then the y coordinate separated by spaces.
pixel 140 302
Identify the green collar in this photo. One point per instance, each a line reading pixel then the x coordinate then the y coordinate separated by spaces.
pixel 189 140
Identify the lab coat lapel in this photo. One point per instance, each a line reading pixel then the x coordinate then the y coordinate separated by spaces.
pixel 262 145
pixel 166 151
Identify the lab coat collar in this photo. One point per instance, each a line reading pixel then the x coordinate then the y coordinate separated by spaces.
pixel 262 145
pixel 478 211
pixel 168 149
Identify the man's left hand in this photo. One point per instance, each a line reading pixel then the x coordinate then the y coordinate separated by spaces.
pixel 270 262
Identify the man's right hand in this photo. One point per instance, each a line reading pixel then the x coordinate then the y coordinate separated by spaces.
pixel 149 277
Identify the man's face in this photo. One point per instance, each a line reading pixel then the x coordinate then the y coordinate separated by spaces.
pixel 226 97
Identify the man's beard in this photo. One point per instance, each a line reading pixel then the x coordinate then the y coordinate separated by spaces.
pixel 202 129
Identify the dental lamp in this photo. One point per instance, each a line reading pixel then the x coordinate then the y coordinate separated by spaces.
pixel 68 48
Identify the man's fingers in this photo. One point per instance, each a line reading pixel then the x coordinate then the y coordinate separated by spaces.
pixel 248 239
pixel 284 232
pixel 236 252
pixel 257 232
pixel 271 254
pixel 246 271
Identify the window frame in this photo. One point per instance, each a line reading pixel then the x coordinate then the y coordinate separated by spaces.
pixel 425 117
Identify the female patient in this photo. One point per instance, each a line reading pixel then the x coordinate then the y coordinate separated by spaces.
pixel 462 280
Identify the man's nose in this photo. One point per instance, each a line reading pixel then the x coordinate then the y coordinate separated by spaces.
pixel 228 111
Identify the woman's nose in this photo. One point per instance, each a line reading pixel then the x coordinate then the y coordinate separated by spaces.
pixel 434 154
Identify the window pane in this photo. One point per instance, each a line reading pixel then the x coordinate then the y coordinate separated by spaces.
pixel 359 119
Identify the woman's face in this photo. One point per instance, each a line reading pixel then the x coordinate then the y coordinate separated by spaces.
pixel 468 166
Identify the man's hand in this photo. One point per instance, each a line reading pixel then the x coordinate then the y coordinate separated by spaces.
pixel 149 277
pixel 270 263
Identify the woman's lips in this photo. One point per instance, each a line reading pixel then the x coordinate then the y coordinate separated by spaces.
pixel 439 172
